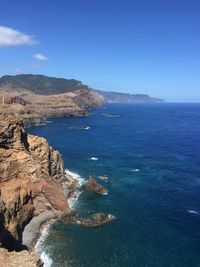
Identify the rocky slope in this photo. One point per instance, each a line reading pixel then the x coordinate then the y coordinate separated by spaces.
pixel 16 259
pixel 34 98
pixel 29 173
pixel 35 109
pixel 52 97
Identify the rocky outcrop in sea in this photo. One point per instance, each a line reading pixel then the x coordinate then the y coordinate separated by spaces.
pixel 92 185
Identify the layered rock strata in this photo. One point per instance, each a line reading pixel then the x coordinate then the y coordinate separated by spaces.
pixel 29 173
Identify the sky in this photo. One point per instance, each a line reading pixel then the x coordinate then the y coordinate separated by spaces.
pixel 134 46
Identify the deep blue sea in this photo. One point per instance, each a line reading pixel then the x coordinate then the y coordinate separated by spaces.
pixel 151 154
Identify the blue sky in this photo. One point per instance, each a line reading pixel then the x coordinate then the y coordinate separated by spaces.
pixel 138 46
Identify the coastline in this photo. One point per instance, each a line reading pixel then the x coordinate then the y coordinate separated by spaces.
pixel 32 230
pixel 39 196
pixel 37 229
pixel 37 249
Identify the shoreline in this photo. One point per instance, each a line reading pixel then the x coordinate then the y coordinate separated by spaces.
pixel 32 231
pixel 37 248
pixel 37 230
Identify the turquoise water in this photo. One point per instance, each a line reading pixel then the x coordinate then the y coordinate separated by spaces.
pixel 157 208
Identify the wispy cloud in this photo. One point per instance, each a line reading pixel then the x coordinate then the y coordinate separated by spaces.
pixel 18 71
pixel 13 37
pixel 40 57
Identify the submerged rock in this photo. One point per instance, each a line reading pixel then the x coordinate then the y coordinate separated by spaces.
pixel 95 220
pixel 103 177
pixel 92 185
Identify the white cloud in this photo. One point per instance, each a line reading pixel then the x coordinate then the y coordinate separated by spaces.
pixel 12 37
pixel 41 57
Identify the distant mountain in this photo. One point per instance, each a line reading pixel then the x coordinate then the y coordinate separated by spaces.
pixel 44 85
pixel 116 97
pixel 39 84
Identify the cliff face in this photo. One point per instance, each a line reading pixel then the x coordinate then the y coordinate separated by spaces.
pixel 87 99
pixel 42 96
pixel 29 173
pixel 34 109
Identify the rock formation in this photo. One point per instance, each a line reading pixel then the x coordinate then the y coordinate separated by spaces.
pixel 29 174
pixel 97 219
pixel 33 98
pixel 92 185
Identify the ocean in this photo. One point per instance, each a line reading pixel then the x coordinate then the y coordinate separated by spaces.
pixel 151 155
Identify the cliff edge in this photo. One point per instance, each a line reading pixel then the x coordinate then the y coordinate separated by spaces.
pixel 29 182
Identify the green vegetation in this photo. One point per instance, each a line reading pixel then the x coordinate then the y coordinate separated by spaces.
pixel 40 84
pixel 44 85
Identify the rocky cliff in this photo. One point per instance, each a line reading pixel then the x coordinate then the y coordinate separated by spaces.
pixel 34 98
pixel 35 109
pixel 29 173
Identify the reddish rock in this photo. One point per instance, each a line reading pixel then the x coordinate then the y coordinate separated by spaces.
pixel 97 219
pixel 29 170
pixel 92 185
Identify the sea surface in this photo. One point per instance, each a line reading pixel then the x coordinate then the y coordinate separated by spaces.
pixel 151 154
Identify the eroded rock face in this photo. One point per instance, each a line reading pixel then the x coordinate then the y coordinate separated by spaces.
pixel 29 170
pixel 92 185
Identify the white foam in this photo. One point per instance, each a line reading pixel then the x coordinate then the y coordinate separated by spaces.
pixel 193 212
pixel 87 128
pixel 46 259
pixel 75 176
pixel 43 235
pixel 135 170
pixel 94 158
pixel 72 200
pixel 39 247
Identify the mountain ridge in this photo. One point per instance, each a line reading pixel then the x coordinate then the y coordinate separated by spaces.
pixel 45 85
